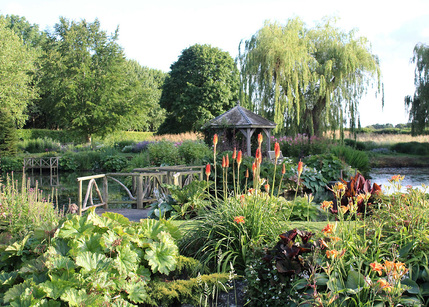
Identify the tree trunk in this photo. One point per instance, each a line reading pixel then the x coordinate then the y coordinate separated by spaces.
pixel 317 117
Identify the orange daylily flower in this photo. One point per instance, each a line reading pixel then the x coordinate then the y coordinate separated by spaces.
pixel 389 266
pixel 396 178
pixel 330 228
pixel 384 285
pixel 332 254
pixel 344 209
pixel 377 267
pixel 326 205
pixel 239 219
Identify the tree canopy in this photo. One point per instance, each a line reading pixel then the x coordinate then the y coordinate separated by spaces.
pixel 16 78
pixel 201 85
pixel 306 80
pixel 418 106
pixel 84 86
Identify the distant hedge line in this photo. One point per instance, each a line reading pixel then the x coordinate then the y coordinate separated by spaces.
pixel 63 136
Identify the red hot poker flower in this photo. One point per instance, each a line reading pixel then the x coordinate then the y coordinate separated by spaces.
pixel 254 166
pixel 227 161
pixel 247 173
pixel 277 150
pixel 260 139
pixel 258 156
pixel 239 157
pixel 283 169
pixel 215 139
pixel 234 153
pixel 300 166
pixel 208 170
pixel 223 162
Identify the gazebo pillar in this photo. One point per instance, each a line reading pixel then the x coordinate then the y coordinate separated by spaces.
pixel 268 134
pixel 248 134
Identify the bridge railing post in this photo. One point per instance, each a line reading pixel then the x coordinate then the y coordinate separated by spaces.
pixel 140 191
pixel 105 192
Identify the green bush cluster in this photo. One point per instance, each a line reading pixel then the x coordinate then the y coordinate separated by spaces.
pixel 355 158
pixel 164 153
pixel 9 164
pixel 194 152
pixel 411 148
pixel 40 145
pixel 301 145
pixel 61 136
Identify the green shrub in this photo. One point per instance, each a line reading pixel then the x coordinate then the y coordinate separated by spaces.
pixel 163 153
pixel 113 163
pixel 40 145
pixel 411 148
pixel 139 161
pixel 83 160
pixel 61 136
pixel 193 152
pixel 301 145
pixel 9 164
pixel 331 167
pixel 355 158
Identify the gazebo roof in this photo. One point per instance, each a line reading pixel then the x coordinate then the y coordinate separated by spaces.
pixel 240 117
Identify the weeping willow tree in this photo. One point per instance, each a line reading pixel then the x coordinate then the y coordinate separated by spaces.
pixel 418 106
pixel 306 80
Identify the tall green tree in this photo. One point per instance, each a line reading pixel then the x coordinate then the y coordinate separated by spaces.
pixel 418 106
pixel 306 80
pixel 145 87
pixel 84 85
pixel 202 84
pixel 16 85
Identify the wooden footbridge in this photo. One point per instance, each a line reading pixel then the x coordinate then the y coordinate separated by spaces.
pixel 147 185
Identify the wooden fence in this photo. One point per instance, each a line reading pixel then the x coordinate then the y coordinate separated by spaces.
pixel 147 185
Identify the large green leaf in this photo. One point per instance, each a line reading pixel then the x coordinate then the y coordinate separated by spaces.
pixel 118 218
pixel 8 278
pixel 59 262
pixel 76 227
pixel 17 248
pixel 162 255
pixel 127 260
pixel 92 261
pixel 86 243
pixel 137 292
pixel 412 286
pixel 79 298
pixel 355 281
pixel 16 291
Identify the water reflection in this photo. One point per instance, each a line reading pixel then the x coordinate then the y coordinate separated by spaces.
pixel 413 176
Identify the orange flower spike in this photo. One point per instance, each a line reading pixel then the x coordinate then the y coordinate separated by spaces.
pixel 254 167
pixel 300 167
pixel 247 173
pixel 234 154
pixel 208 170
pixel 377 267
pixel 215 140
pixel 227 161
pixel 260 139
pixel 283 169
pixel 277 150
pixel 223 162
pixel 258 156
pixel 239 219
pixel 239 157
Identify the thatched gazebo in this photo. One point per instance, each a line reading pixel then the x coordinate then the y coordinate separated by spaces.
pixel 245 121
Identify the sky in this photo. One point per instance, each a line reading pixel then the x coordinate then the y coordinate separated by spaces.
pixel 155 32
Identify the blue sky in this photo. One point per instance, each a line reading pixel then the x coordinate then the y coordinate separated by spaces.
pixel 154 32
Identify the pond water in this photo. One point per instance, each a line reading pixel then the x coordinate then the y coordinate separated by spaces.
pixel 413 176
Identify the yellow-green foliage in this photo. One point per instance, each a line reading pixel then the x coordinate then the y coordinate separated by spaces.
pixel 164 293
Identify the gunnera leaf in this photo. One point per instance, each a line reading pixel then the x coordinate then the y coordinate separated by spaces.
pixel 137 292
pixel 8 278
pixel 75 228
pixel 162 255
pixel 16 291
pixel 126 261
pixel 76 297
pixel 86 243
pixel 92 261
pixel 118 218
